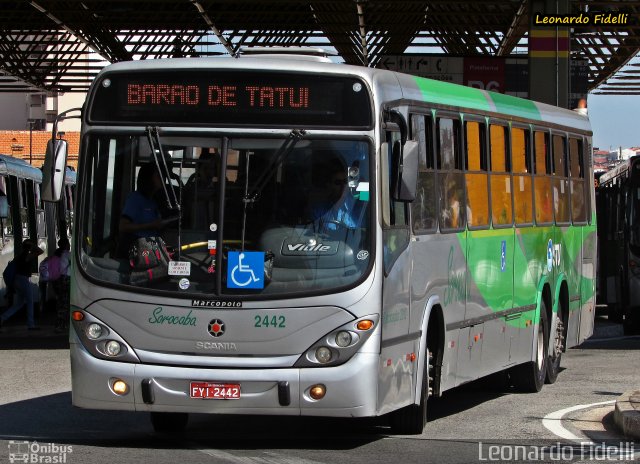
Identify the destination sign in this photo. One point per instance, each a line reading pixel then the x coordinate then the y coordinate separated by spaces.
pixel 232 98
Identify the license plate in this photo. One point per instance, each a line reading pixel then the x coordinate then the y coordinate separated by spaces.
pixel 214 391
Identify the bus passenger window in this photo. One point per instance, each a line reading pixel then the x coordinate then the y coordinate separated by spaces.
pixel 423 208
pixel 24 212
pixel 501 203
pixel 561 197
pixel 542 181
pixel 476 175
pixel 7 223
pixel 522 192
pixel 450 175
pixel 576 171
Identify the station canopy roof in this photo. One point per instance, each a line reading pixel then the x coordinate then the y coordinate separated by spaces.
pixel 59 46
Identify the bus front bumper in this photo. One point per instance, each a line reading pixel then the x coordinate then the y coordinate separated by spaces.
pixel 350 388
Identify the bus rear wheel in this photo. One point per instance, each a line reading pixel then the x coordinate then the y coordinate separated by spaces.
pixel 412 419
pixel 553 363
pixel 169 422
pixel 529 377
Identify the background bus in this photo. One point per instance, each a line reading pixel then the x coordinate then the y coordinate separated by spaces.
pixel 26 214
pixel 461 242
pixel 618 203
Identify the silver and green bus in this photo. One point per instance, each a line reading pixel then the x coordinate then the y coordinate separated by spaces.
pixel 463 243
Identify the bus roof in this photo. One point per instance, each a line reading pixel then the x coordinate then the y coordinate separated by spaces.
pixel 19 167
pixel 618 170
pixel 403 86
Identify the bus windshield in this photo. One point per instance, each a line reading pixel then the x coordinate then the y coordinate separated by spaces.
pixel 231 216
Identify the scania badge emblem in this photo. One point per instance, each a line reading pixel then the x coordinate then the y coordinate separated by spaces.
pixel 216 328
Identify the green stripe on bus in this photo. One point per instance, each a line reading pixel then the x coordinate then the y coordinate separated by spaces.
pixel 527 263
pixel 452 95
pixel 515 106
pixel 455 95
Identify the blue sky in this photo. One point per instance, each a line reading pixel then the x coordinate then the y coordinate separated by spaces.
pixel 615 120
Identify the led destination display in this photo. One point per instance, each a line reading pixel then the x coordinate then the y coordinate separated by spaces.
pixel 232 98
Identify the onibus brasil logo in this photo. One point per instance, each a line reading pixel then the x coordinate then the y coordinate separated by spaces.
pixel 34 452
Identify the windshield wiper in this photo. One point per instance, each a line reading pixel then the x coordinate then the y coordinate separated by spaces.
pixel 278 158
pixel 165 174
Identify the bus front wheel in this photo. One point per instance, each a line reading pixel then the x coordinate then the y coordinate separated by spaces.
pixel 530 377
pixel 411 419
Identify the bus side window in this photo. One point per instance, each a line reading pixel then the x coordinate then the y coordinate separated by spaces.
pixel 395 232
pixel 476 177
pixel 24 205
pixel 542 181
pixel 501 202
pixel 450 175
pixel 7 222
pixel 561 196
pixel 41 226
pixel 423 208
pixel 522 185
pixel 577 181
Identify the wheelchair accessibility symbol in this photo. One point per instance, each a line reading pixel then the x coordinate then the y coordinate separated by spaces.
pixel 245 269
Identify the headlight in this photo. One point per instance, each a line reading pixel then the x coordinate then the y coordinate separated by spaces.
pixel 94 331
pixel 343 338
pixel 112 348
pixel 339 345
pixel 323 355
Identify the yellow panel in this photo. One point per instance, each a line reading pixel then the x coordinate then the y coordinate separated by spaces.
pixel 498 158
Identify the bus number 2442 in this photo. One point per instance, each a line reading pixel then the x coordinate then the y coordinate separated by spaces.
pixel 273 321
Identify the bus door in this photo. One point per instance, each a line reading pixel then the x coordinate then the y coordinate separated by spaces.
pixel 397 373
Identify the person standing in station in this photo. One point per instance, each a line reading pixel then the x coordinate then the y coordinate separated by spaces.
pixel 24 263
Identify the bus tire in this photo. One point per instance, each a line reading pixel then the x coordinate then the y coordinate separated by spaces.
pixel 169 422
pixel 558 340
pixel 529 377
pixel 412 419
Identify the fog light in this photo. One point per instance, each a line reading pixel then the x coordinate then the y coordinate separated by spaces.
pixel 317 392
pixel 120 387
pixel 112 348
pixel 343 338
pixel 94 331
pixel 323 355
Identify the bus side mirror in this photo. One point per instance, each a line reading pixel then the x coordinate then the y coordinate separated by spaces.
pixel 405 171
pixel 4 207
pixel 53 171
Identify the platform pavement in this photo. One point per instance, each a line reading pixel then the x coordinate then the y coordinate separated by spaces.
pixel 15 335
pixel 627 414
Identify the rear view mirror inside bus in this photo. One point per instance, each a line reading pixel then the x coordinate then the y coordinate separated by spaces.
pixel 405 170
pixel 53 170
